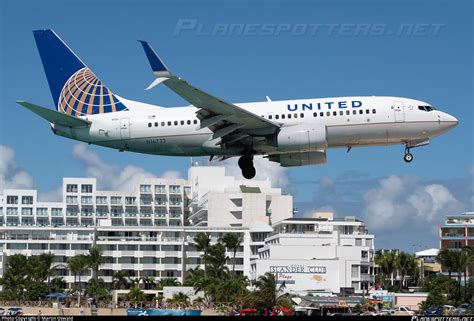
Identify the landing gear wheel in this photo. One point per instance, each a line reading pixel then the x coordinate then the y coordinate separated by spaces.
pixel 408 157
pixel 245 161
pixel 249 172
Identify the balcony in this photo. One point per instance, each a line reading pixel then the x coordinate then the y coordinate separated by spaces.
pixel 160 191
pixel 453 236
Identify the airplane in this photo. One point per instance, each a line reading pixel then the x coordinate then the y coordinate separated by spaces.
pixel 289 132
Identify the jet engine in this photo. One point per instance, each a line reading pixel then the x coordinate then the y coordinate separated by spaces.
pixel 299 159
pixel 302 138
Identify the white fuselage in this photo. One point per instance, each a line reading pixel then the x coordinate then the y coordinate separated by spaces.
pixel 349 122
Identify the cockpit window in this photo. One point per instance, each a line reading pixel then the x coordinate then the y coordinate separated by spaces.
pixel 426 108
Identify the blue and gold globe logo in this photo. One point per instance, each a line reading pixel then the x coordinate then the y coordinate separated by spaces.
pixel 84 94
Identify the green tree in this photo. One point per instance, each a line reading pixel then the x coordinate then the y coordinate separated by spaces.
pixel 268 293
pixel 202 242
pixel 78 265
pixel 405 263
pixel 446 258
pixel 179 298
pixel 387 262
pixel 233 241
pixel 167 282
pixel 148 282
pixel 95 260
pixel 97 289
pixel 15 277
pixel 136 295
pixel 120 280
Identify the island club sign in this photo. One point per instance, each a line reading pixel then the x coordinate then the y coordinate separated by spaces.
pixel 297 268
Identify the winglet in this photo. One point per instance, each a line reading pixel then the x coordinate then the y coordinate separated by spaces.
pixel 160 70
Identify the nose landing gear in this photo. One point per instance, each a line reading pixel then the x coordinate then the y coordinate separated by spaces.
pixel 246 165
pixel 407 157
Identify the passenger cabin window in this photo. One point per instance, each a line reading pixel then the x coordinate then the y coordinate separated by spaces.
pixel 341 113
pixel 334 113
pixel 315 114
pixel 195 121
pixel 169 123
pixel 367 111
pixel 283 116
pixel 182 122
pixel 354 112
pixel 361 111
pixel 321 114
pixel 188 122
pixel 302 115
pixel 156 124
pixel 289 116
pixel 162 123
pixel 374 111
pixel 348 112
pixel 176 123
pixel 149 124
pixel 270 117
pixel 277 116
pixel 328 113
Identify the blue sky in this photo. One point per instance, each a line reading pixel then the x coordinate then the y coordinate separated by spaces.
pixel 431 66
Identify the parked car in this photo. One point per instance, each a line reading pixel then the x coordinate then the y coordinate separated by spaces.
pixel 403 310
pixel 449 309
pixel 463 308
pixel 434 311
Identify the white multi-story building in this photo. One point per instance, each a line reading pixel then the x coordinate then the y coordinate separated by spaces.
pixel 318 254
pixel 149 231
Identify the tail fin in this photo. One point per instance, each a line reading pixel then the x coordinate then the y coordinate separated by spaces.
pixel 76 90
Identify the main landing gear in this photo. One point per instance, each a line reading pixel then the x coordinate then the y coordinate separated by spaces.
pixel 246 165
pixel 407 157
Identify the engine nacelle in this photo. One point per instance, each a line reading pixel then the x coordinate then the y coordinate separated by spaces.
pixel 299 159
pixel 302 138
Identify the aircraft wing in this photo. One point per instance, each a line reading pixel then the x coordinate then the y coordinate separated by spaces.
pixel 228 122
pixel 55 117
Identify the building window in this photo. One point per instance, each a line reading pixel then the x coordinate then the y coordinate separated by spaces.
pixel 100 200
pixel 86 200
pixel 27 211
pixel 56 211
pixel 86 188
pixel 71 188
pixel 354 271
pixel 12 199
pixel 27 200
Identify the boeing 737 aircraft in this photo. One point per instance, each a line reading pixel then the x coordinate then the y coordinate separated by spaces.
pixel 290 132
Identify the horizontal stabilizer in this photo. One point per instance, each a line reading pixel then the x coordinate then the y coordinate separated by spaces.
pixel 55 117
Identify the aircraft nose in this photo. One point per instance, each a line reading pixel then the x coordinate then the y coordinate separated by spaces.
pixel 450 121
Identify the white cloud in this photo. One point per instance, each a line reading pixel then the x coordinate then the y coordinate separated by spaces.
pixel 403 201
pixel 171 174
pixel 266 170
pixel 11 175
pixel 109 176
pixel 54 195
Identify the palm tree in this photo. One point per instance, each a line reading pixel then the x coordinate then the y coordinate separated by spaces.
pixel 136 295
pixel 119 280
pixel 78 264
pixel 47 262
pixel 233 241
pixel 203 241
pixel 268 290
pixel 404 263
pixel 445 257
pixel 180 298
pixel 148 282
pixel 96 259
pixel 167 282
pixel 387 261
